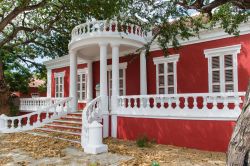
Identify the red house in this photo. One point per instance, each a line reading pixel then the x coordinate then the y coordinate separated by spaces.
pixel 190 98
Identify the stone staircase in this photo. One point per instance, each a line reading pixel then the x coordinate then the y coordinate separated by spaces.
pixel 68 127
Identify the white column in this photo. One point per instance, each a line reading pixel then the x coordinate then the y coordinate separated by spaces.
pixel 104 87
pixel 48 82
pixel 73 80
pixel 115 87
pixel 143 73
pixel 90 82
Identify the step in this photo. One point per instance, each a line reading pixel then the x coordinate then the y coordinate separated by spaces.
pixel 75 114
pixel 59 131
pixel 67 122
pixel 71 118
pixel 65 127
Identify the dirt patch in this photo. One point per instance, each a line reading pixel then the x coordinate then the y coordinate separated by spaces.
pixel 164 154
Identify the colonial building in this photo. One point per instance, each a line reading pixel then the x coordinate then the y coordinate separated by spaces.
pixel 190 98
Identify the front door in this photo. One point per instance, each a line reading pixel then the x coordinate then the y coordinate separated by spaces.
pixel 122 84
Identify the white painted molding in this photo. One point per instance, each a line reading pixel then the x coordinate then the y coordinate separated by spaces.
pixel 59 74
pixel 234 49
pixel 208 35
pixel 60 62
pixel 121 66
pixel 82 71
pixel 163 59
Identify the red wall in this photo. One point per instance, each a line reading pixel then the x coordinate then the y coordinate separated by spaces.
pixel 205 135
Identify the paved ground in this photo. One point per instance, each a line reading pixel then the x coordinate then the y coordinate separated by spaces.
pixel 26 149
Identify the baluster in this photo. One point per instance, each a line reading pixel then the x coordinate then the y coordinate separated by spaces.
pixel 195 103
pixel 132 28
pixel 162 102
pixel 225 103
pixel 170 104
pixel 148 102
pixel 135 103
pixel 204 103
pixel 19 125
pixel 28 120
pixel 129 103
pixel 110 26
pixel 88 27
pixel 38 118
pixel 237 103
pixel 12 124
pixel 214 103
pixel 177 102
pixel 116 26
pixel 141 103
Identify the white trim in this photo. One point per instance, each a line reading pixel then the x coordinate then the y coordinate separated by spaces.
pixel 81 71
pixel 165 61
pixel 170 58
pixel 59 75
pixel 121 66
pixel 233 50
pixel 208 35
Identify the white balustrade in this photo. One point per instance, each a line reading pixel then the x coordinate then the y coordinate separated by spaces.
pixel 200 106
pixel 108 27
pixel 55 110
pixel 90 117
pixel 35 104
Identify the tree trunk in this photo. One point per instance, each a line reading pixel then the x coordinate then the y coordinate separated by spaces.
pixel 239 146
pixel 4 92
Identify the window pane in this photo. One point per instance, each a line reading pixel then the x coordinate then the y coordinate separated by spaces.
pixel 228 61
pixel 56 88
pixel 83 86
pixel 78 78
pixel 61 88
pixel 83 78
pixel 161 80
pixel 215 62
pixel 229 88
pixel 121 83
pixel 121 73
pixel 216 88
pixel 171 80
pixel 78 95
pixel 161 90
pixel 170 67
pixel 61 80
pixel 83 95
pixel 56 80
pixel 229 75
pixel 171 90
pixel 216 76
pixel 78 87
pixel 121 92
pixel 161 68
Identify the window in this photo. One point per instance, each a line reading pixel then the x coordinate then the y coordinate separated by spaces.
pixel 59 84
pixel 222 68
pixel 166 78
pixel 122 86
pixel 82 84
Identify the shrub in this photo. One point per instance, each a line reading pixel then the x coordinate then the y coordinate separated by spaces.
pixel 155 163
pixel 142 142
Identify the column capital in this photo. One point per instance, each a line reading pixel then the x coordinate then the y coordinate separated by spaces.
pixel 72 52
pixel 103 43
pixel 114 44
pixel 143 52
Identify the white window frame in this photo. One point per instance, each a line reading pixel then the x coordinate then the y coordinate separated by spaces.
pixel 81 72
pixel 59 75
pixel 122 66
pixel 165 60
pixel 233 50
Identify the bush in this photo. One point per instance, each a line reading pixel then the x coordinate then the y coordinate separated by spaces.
pixel 142 142
pixel 155 163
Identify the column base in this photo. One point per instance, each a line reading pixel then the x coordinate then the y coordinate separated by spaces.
pixel 96 149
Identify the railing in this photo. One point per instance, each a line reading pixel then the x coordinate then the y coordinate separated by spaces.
pixel 35 119
pixel 206 106
pixel 91 113
pixel 108 27
pixel 35 104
